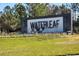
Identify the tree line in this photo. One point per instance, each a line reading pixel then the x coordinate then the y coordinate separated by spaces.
pixel 11 17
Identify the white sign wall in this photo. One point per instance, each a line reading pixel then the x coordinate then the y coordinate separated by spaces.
pixel 45 25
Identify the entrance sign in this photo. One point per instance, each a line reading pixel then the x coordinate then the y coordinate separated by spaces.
pixel 45 25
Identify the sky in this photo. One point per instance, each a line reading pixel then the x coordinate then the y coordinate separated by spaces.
pixel 2 5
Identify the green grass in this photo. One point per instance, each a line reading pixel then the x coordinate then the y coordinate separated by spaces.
pixel 39 45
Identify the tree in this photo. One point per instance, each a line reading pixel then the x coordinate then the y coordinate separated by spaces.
pixel 20 11
pixel 51 9
pixel 38 9
pixel 74 7
pixel 64 9
pixel 9 19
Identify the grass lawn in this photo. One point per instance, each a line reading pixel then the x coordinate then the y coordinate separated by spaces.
pixel 40 45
